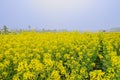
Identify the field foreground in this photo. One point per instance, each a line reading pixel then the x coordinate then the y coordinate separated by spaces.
pixel 60 56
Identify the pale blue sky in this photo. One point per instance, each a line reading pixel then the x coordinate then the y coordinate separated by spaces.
pixel 60 14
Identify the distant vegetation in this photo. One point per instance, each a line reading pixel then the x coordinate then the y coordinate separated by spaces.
pixel 5 30
pixel 117 29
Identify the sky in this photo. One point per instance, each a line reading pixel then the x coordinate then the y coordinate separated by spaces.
pixel 82 15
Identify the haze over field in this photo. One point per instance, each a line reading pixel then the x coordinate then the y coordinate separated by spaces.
pixel 60 14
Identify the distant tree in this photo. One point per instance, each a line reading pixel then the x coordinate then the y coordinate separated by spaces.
pixel 5 29
pixel 43 29
pixel 104 31
pixel 0 31
pixel 29 28
pixel 116 29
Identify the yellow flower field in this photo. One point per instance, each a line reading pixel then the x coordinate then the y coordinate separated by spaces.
pixel 60 56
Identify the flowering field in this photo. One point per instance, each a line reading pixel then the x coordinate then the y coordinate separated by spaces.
pixel 60 56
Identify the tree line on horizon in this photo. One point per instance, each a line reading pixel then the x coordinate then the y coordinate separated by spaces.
pixel 5 30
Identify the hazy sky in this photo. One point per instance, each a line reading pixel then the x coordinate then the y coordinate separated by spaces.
pixel 60 14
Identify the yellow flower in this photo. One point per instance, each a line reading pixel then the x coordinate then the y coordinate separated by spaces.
pixel 96 75
pixel 36 65
pixel 100 56
pixel 16 77
pixel 55 75
pixel 67 56
pixel 23 66
pixel 28 76
pixel 58 55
